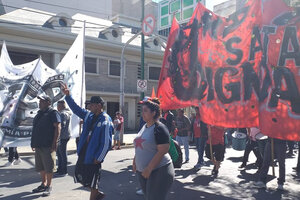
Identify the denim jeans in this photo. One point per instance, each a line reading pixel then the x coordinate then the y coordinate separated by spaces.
pixel 200 146
pixel 280 152
pixel 252 146
pixel 184 140
pixel 12 154
pixel 62 156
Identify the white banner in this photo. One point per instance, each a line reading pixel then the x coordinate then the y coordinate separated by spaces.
pixel 73 68
pixel 21 84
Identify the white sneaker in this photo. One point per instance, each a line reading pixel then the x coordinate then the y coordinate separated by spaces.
pixel 280 187
pixel 139 192
pixel 18 161
pixel 8 164
pixel 260 184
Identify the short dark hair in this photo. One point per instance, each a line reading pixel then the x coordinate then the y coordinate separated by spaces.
pixel 62 102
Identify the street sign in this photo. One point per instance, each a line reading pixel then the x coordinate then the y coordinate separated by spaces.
pixel 141 85
pixel 148 25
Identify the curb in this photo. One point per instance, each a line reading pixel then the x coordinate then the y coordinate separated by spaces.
pixel 71 151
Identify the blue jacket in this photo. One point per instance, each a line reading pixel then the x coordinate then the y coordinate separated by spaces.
pixel 100 142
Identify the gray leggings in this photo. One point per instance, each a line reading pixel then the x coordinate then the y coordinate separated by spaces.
pixel 156 187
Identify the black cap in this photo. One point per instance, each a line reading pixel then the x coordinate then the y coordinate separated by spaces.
pixel 97 99
pixel 45 98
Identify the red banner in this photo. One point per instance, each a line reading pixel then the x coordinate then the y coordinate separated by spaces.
pixel 279 113
pixel 220 65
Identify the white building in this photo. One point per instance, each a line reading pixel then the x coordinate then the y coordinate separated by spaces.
pixel 48 28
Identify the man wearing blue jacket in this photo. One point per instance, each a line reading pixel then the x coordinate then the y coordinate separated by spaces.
pixel 95 140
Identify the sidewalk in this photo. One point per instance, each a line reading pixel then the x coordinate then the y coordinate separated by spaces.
pixel 127 140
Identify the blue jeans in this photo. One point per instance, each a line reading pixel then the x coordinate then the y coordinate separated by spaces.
pixel 280 151
pixel 62 156
pixel 184 140
pixel 200 146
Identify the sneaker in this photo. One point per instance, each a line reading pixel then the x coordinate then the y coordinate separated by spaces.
pixel 119 148
pixel 214 172
pixel 280 187
pixel 187 160
pixel 8 164
pixel 139 192
pixel 100 196
pixel 260 184
pixel 197 166
pixel 242 166
pixel 295 169
pixel 40 188
pixel 18 161
pixel 47 191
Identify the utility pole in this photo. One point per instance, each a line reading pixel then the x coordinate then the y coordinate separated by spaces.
pixel 142 47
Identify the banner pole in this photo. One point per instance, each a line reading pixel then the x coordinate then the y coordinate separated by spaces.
pixel 272 156
pixel 210 145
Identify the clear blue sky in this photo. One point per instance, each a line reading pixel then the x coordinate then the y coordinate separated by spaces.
pixel 209 3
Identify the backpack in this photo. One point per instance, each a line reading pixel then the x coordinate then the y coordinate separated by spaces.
pixel 174 152
pixel 176 162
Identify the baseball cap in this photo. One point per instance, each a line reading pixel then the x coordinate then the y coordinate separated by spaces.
pixel 146 98
pixel 97 99
pixel 45 98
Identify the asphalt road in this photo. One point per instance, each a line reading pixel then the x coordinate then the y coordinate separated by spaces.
pixel 120 183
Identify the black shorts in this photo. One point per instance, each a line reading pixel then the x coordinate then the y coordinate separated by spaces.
pixel 96 178
pixel 88 175
pixel 218 151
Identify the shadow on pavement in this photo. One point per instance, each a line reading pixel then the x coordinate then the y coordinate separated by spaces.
pixel 235 159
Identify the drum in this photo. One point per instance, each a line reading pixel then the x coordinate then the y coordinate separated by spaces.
pixel 261 141
pixel 239 141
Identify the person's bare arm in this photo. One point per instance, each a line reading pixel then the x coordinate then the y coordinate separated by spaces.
pixel 57 128
pixel 162 150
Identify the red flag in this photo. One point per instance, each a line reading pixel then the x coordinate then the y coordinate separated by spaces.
pixel 280 106
pixel 242 71
pixel 204 66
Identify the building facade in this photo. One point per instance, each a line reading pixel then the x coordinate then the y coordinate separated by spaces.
pixel 33 32
pixel 182 9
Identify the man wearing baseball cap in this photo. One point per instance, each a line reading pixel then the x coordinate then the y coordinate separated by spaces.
pixel 94 143
pixel 45 132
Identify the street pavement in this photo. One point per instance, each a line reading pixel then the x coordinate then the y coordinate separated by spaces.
pixel 120 183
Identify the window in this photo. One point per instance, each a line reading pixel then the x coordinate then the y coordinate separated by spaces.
pixel 62 22
pixel 91 65
pixel 154 73
pixel 114 68
pixel 20 58
pixel 164 21
pixel 187 3
pixel 174 6
pixel 188 13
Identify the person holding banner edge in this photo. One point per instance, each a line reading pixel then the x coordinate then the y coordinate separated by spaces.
pixel 278 147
